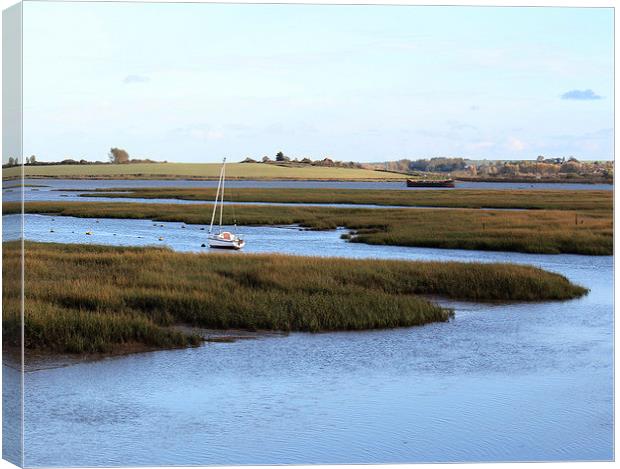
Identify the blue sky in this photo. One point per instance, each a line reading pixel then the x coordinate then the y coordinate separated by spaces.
pixel 195 82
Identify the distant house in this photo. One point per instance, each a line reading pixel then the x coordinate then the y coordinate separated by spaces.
pixel 554 160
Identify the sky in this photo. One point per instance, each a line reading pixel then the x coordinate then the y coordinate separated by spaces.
pixel 196 82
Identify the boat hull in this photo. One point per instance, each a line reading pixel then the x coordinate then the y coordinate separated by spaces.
pixel 430 183
pixel 234 247
pixel 218 243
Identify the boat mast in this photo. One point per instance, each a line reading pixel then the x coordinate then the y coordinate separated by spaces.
pixel 223 182
pixel 217 196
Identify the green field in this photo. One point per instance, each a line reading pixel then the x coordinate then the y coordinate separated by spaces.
pixel 84 298
pixel 457 198
pixel 199 171
pixel 534 231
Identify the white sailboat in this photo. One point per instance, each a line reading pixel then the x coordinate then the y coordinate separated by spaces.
pixel 223 239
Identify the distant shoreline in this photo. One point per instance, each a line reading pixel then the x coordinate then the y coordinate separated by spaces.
pixel 523 180
pixel 271 172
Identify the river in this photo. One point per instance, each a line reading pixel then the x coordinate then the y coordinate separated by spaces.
pixel 67 190
pixel 499 382
pixel 92 184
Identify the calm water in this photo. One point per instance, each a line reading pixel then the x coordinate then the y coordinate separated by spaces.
pixel 52 190
pixel 34 194
pixel 498 383
pixel 88 185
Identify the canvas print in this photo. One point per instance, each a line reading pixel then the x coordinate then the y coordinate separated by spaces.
pixel 265 234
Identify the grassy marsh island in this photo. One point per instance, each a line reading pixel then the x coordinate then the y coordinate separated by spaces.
pixel 541 231
pixel 457 198
pixel 114 297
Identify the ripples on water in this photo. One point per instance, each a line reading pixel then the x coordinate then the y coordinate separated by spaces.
pixel 384 185
pixel 53 191
pixel 497 383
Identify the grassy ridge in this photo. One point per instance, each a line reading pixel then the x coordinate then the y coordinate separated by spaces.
pixel 456 198
pixel 110 296
pixel 199 171
pixel 534 231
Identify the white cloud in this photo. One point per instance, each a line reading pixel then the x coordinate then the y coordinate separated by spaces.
pixel 214 135
pixel 482 145
pixel 516 144
pixel 203 134
pixel 200 132
pixel 135 79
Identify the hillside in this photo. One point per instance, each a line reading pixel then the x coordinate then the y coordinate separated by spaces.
pixel 199 171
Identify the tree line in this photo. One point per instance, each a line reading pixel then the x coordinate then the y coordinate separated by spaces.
pixel 115 156
pixel 541 167
pixel 281 158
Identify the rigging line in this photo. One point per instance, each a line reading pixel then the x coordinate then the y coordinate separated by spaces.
pixel 217 195
pixel 223 183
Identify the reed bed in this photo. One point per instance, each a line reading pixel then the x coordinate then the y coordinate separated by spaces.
pixel 587 232
pixel 85 298
pixel 455 198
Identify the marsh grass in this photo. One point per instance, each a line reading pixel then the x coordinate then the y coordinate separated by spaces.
pixel 86 298
pixel 533 231
pixel 455 198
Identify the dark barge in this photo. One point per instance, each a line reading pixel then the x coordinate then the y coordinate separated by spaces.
pixel 430 182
